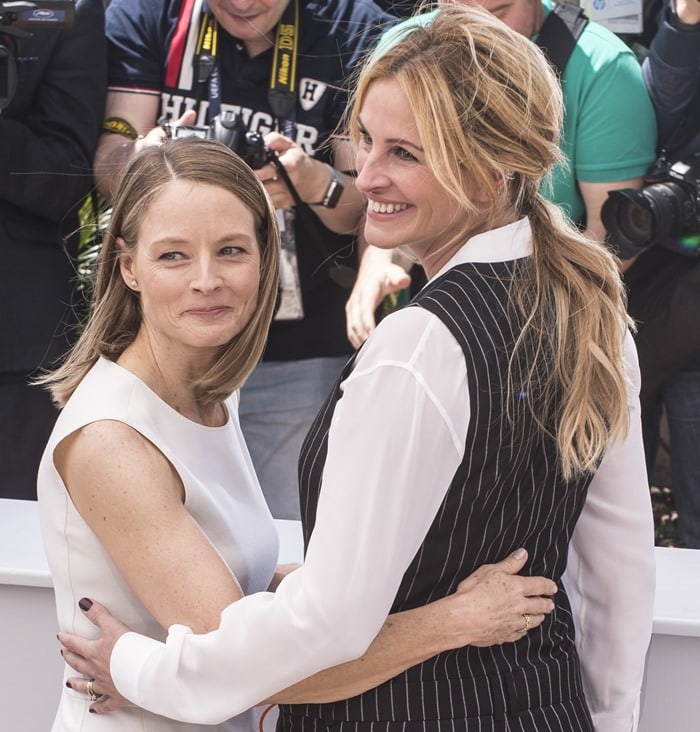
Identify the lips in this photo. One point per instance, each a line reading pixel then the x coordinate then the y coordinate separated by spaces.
pixel 209 312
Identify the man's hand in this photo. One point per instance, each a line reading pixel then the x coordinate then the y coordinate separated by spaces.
pixel 377 277
pixel 91 658
pixel 309 176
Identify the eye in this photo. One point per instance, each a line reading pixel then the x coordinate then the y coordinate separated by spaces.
pixel 365 139
pixel 230 250
pixel 402 154
pixel 170 256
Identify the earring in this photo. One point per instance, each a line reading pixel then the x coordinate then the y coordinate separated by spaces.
pixel 134 283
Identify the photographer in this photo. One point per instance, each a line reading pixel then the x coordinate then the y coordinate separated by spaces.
pixel 191 62
pixel 664 284
pixel 48 133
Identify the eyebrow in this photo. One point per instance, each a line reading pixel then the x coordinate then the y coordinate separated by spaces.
pixel 393 140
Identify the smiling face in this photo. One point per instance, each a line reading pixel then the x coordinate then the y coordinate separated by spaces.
pixel 196 266
pixel 407 205
pixel 251 21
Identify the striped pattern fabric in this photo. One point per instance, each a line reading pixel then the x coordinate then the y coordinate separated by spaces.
pixel 179 71
pixel 506 493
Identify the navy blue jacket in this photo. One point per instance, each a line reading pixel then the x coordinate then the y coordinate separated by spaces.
pixel 48 134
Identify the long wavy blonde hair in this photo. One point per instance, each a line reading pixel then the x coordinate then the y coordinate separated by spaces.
pixel 115 315
pixel 489 108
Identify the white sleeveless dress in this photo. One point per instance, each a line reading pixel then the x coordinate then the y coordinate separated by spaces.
pixel 222 494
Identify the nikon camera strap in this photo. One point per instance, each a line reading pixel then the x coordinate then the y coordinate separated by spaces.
pixel 560 33
pixel 281 94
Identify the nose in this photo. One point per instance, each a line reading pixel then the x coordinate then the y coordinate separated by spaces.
pixel 371 174
pixel 207 275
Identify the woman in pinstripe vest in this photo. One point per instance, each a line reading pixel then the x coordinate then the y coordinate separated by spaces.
pixel 507 392
pixel 499 410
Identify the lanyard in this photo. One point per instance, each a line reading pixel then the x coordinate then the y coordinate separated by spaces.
pixel 206 69
pixel 281 94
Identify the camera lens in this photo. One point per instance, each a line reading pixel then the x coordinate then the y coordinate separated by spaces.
pixel 635 220
pixel 668 204
pixel 629 222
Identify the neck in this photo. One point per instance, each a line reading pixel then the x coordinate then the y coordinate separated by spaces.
pixel 172 379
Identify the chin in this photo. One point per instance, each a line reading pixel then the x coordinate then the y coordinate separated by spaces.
pixel 381 241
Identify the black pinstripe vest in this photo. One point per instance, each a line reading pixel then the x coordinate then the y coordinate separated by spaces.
pixel 506 493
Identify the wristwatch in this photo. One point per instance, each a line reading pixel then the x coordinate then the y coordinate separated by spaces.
pixel 334 190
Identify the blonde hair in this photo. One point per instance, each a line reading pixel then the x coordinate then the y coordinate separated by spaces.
pixel 115 315
pixel 489 109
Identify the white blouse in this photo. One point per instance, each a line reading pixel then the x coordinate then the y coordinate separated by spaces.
pixel 396 439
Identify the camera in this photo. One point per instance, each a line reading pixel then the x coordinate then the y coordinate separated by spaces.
pixel 232 132
pixel 665 211
pixel 18 19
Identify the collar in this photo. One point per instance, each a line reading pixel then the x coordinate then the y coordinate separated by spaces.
pixel 512 241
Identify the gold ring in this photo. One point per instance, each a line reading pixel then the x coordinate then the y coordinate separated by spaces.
pixel 90 689
pixel 526 616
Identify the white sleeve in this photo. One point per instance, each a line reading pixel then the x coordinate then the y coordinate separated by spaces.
pixel 610 576
pixel 393 449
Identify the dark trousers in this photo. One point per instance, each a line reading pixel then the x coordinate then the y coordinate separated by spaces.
pixel 27 417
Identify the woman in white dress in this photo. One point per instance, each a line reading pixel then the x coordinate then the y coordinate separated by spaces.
pixel 147 494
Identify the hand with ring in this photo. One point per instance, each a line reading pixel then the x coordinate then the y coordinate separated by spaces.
pixel 90 690
pixel 90 658
pixel 491 604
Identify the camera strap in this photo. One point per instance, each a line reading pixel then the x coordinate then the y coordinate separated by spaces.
pixel 282 92
pixel 206 70
pixel 560 32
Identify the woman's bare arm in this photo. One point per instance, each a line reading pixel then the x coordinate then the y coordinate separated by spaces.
pixel 132 499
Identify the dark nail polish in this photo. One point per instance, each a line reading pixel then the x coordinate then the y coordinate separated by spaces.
pixel 68 685
pixel 84 603
pixel 92 711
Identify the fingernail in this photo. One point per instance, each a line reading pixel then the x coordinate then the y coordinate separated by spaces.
pixel 519 553
pixel 92 711
pixel 84 603
pixel 68 685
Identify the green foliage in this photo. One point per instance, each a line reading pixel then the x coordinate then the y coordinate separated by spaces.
pixel 93 216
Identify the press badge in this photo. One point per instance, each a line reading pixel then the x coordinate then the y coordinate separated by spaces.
pixel 291 306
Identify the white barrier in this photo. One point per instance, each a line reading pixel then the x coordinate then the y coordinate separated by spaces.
pixel 30 664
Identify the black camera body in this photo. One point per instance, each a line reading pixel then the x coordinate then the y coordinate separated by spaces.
pixel 232 132
pixel 18 19
pixel 666 211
